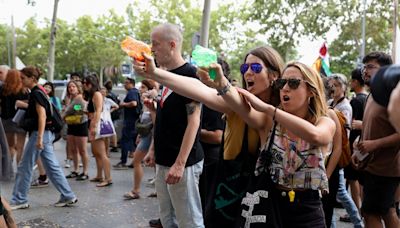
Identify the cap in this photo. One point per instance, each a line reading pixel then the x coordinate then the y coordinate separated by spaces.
pixel 383 83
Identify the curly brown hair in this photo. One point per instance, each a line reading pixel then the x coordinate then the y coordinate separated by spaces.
pixel 13 83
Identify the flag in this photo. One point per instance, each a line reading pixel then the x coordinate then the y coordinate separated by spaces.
pixel 321 65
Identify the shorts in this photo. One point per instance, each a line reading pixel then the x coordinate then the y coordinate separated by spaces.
pixel 80 130
pixel 144 143
pixel 379 193
pixel 11 127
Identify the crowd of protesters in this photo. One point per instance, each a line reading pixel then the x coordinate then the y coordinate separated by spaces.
pixel 267 153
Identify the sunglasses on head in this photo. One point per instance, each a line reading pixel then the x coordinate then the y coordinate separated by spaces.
pixel 255 67
pixel 293 83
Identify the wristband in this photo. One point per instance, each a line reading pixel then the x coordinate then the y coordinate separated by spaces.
pixel 224 90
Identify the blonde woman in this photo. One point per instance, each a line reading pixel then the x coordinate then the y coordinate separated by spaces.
pixel 302 137
pixel 77 132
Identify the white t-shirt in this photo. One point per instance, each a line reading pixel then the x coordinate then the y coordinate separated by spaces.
pixel 108 104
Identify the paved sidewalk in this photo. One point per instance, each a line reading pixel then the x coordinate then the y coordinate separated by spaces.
pixel 97 207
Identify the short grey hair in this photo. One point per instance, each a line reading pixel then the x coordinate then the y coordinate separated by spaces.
pixel 6 67
pixel 171 32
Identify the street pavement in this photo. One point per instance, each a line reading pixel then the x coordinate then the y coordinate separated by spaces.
pixel 97 207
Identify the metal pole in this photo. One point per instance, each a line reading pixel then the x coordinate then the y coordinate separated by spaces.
pixel 205 23
pixel 9 45
pixel 362 51
pixel 394 46
pixel 14 44
pixel 52 47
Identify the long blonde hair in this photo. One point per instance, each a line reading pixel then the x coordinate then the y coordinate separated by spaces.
pixel 317 105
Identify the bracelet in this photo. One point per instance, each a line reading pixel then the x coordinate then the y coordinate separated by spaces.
pixel 224 90
pixel 273 117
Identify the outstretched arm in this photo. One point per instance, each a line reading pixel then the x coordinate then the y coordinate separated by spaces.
pixel 319 134
pixel 185 86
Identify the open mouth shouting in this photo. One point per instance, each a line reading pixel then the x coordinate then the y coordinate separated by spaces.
pixel 285 98
pixel 250 84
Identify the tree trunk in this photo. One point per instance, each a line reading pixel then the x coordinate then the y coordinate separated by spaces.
pixel 52 47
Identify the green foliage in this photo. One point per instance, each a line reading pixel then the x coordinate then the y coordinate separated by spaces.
pixel 4 42
pixel 345 50
pixel 235 27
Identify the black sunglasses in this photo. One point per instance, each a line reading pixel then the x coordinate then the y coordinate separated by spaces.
pixel 292 82
pixel 255 67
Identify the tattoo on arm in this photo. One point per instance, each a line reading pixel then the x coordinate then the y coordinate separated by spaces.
pixel 190 108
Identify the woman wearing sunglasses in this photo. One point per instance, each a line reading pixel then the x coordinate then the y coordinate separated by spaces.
pixel 262 66
pixel 303 134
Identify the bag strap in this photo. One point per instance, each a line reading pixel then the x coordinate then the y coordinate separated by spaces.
pixel 270 143
pixel 48 100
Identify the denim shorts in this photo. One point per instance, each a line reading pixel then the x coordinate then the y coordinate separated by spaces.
pixel 144 143
pixel 379 193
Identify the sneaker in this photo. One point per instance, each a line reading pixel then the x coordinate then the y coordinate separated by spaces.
pixel 65 203
pixel 39 183
pixel 345 218
pixel 67 163
pixel 151 183
pixel 80 164
pixel 19 206
pixel 155 223
pixel 120 166
pixel 130 166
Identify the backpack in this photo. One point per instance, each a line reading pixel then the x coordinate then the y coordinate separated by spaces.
pixel 54 121
pixel 345 157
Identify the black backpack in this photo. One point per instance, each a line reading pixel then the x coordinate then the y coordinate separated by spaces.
pixel 54 121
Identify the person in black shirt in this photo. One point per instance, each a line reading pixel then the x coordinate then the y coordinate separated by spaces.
pixel 177 150
pixel 357 104
pixel 40 143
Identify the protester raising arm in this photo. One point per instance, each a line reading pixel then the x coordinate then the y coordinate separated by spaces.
pixel 258 80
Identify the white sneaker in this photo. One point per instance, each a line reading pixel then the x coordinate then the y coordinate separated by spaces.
pixel 19 206
pixel 65 203
pixel 67 163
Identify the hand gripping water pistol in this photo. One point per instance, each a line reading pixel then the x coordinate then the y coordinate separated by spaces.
pixel 134 48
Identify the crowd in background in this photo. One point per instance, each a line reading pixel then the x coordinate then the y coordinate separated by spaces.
pixel 268 153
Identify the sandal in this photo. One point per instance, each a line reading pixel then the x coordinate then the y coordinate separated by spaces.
pixel 96 179
pixel 73 174
pixel 104 184
pixel 131 195
pixel 82 177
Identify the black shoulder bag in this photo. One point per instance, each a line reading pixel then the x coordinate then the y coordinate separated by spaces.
pixel 258 208
pixel 229 187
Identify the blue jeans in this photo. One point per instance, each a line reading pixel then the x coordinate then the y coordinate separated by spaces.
pixel 128 139
pixel 180 204
pixel 50 163
pixel 344 198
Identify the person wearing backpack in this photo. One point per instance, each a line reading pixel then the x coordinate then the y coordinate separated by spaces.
pixel 338 84
pixel 40 143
